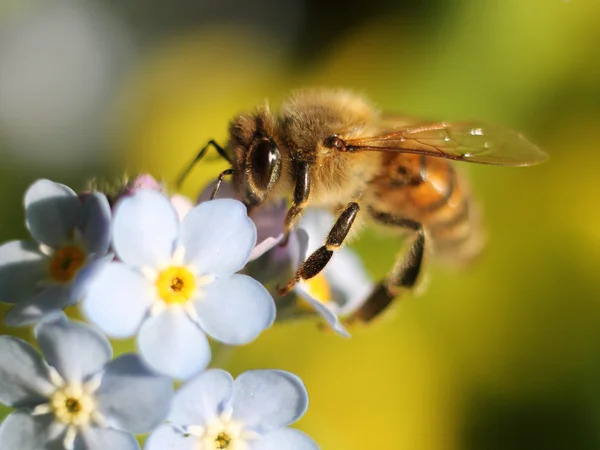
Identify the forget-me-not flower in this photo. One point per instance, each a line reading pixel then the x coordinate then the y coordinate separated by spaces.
pixel 176 282
pixel 78 398
pixel 344 284
pixel 214 412
pixel 269 217
pixel 72 237
pixel 336 292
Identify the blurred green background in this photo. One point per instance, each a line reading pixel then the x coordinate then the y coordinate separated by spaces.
pixel 503 355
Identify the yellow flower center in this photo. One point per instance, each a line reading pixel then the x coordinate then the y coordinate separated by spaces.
pixel 71 405
pixel 318 287
pixel 222 441
pixel 176 285
pixel 66 262
pixel 222 433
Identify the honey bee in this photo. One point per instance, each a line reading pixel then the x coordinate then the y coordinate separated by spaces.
pixel 333 149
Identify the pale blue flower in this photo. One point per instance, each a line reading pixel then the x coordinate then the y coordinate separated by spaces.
pixel 177 282
pixel 78 398
pixel 214 412
pixel 72 237
pixel 145 181
pixel 268 218
pixel 339 290
pixel 348 284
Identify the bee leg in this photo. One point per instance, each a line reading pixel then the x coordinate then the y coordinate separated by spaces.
pixel 299 199
pixel 222 175
pixel 317 261
pixel 403 275
pixel 198 158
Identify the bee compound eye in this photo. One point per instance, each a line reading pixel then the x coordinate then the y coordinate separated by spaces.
pixel 265 164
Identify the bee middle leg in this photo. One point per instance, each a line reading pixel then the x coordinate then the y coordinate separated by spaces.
pixel 403 275
pixel 317 261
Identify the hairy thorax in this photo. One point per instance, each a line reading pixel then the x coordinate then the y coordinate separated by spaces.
pixel 308 119
pixel 339 178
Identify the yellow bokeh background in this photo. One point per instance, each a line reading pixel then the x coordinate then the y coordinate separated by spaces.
pixel 502 355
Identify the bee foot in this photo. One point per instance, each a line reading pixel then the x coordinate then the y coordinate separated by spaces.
pixel 287 288
pixel 285 240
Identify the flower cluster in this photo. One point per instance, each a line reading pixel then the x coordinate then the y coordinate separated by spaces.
pixel 77 397
pixel 250 412
pixel 72 238
pixel 174 283
pixel 335 293
pixel 172 274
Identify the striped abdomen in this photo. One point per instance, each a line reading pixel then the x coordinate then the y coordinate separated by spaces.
pixel 428 190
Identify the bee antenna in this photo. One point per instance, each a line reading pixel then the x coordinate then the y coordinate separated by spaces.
pixel 198 158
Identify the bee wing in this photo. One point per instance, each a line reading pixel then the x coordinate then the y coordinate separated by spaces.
pixel 460 141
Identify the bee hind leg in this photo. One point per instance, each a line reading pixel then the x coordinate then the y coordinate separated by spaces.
pixel 403 275
pixel 317 261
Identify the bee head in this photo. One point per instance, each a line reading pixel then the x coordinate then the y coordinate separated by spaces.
pixel 257 160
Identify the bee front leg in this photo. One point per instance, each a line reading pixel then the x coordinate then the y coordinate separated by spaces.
pixel 219 181
pixel 299 200
pixel 317 261
pixel 220 150
pixel 404 274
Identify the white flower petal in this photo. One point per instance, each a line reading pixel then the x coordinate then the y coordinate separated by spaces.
pixel 95 223
pixel 265 400
pixel 172 344
pixel 117 299
pixel 166 437
pixel 218 237
pixel 235 309
pixel 265 245
pixel 145 229
pixel 93 438
pixel 317 222
pixel 298 247
pixel 52 212
pixel 74 349
pixel 84 275
pixel 22 266
pixel 281 261
pixel 202 398
pixel 24 377
pixel 182 205
pixel 22 431
pixel 327 314
pixel 269 221
pixel 284 438
pixel 51 299
pixel 348 280
pixel 131 397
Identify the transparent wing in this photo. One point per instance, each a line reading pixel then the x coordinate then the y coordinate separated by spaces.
pixel 460 141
